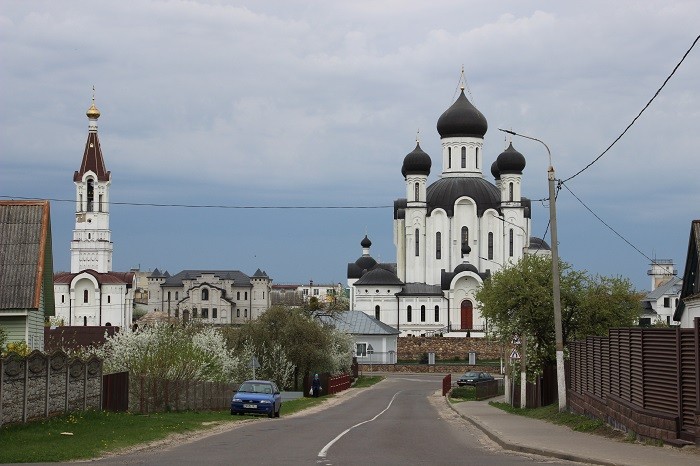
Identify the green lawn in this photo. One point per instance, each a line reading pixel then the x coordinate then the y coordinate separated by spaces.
pixel 95 433
pixel 364 381
pixel 551 414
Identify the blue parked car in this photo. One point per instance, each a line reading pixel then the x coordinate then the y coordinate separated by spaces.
pixel 257 397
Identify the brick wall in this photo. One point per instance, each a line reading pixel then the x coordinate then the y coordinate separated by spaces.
pixel 448 348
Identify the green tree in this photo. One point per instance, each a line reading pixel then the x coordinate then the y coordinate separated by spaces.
pixel 518 300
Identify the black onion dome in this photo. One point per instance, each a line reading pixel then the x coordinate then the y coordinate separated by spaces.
pixel 365 262
pixel 510 161
pixel 416 163
pixel 494 170
pixel 466 267
pixel 365 243
pixel 462 119
pixel 444 193
pixel 379 276
pixel 538 243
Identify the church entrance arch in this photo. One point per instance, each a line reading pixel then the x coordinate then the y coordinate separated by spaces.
pixel 467 315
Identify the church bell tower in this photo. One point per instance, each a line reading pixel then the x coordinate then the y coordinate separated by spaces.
pixel 91 247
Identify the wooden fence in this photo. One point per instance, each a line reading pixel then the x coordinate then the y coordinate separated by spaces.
pixel 643 380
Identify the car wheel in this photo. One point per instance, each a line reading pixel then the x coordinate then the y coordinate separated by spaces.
pixel 272 412
pixel 277 414
pixel 232 412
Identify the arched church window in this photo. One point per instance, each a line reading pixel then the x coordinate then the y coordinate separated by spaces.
pixel 490 247
pixel 376 312
pixel 449 157
pixel 422 313
pixel 100 205
pixel 416 192
pixel 409 314
pixel 205 294
pixel 476 157
pixel 90 194
pixel 438 245
pixel 85 296
pixel 437 314
pixel 464 157
pixel 510 242
pixel 465 236
pixel 417 242
pixel 510 191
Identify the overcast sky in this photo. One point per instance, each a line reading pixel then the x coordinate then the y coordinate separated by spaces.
pixel 316 103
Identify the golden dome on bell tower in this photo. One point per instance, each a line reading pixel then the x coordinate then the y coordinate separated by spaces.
pixel 93 112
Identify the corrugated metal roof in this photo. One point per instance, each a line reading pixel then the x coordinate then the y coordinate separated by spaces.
pixel 671 287
pixel 357 323
pixel 238 277
pixel 24 231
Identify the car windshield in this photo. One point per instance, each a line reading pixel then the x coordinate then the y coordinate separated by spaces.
pixel 471 374
pixel 249 387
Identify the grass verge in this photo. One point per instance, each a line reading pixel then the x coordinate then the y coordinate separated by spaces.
pixel 95 433
pixel 365 381
pixel 551 414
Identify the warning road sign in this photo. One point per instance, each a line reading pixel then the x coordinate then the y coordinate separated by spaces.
pixel 514 354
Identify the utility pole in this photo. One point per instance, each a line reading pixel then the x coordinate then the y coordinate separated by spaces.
pixel 556 296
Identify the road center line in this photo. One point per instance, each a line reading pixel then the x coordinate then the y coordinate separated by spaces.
pixel 324 450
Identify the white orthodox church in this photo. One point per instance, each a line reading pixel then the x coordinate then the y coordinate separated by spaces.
pixel 449 235
pixel 92 294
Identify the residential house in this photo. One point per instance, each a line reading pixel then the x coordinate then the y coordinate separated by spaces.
pixel 689 306
pixel 26 270
pixel 660 303
pixel 374 341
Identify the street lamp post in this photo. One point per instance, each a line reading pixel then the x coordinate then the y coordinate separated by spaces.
pixel 561 378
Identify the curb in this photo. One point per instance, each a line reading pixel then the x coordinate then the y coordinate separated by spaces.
pixel 526 449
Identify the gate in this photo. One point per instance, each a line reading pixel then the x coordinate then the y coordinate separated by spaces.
pixel 115 392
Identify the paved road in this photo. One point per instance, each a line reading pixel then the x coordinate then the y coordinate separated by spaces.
pixel 401 421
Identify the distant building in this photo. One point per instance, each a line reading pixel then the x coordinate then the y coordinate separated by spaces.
pixel 374 341
pixel 91 294
pixel 298 294
pixel 689 305
pixel 26 271
pixel 449 235
pixel 660 303
pixel 212 296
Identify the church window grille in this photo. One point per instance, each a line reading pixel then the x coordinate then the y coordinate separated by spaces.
pixel 417 242
pixel 90 194
pixel 205 294
pixel 437 313
pixel 422 313
pixel 376 312
pixel 510 192
pixel 213 313
pixel 438 245
pixel 490 251
pixel 205 313
pixel 465 236
pixel 409 314
pixel 449 157
pixel 416 192
pixel 464 157
pixel 510 242
pixel 85 296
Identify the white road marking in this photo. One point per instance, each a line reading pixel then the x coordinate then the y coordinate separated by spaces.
pixel 324 450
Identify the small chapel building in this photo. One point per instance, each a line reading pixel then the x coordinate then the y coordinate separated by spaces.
pixel 91 294
pixel 449 235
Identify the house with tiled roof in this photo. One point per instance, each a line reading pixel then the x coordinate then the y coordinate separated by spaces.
pixel 26 270
pixel 91 294
pixel 374 341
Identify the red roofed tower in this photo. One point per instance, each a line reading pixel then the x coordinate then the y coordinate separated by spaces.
pixel 91 247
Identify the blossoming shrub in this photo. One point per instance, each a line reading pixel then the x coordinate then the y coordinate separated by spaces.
pixel 172 352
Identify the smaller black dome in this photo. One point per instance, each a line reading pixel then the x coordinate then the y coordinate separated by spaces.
pixel 462 119
pixel 466 267
pixel 416 163
pixel 494 170
pixel 365 262
pixel 510 161
pixel 365 243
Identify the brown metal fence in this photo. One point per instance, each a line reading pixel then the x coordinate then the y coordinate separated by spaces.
pixel 446 384
pixel 115 392
pixel 641 379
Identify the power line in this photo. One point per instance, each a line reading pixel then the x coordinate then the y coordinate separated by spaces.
pixel 638 115
pixel 609 227
pixel 214 206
